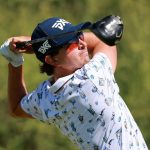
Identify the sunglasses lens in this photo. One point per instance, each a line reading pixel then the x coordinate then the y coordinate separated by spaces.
pixel 71 47
pixel 78 36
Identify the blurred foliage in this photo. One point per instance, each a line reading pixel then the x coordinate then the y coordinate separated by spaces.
pixel 19 17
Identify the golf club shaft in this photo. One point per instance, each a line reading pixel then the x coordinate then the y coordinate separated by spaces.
pixel 26 43
pixel 108 29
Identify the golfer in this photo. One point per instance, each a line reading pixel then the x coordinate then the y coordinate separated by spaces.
pixel 81 96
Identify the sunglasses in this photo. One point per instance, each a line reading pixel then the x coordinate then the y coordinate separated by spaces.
pixel 74 44
pixel 79 35
pixel 70 46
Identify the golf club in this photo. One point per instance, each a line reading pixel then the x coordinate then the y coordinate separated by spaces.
pixel 109 30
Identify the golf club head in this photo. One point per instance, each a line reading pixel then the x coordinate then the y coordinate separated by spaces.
pixel 109 29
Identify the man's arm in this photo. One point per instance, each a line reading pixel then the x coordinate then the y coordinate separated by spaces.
pixel 16 86
pixel 95 45
pixel 16 91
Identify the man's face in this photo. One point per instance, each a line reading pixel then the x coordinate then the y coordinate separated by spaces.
pixel 74 56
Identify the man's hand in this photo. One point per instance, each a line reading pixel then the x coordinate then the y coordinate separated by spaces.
pixel 15 59
pixel 11 53
pixel 16 40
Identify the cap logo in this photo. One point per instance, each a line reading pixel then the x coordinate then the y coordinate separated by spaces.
pixel 45 46
pixel 60 24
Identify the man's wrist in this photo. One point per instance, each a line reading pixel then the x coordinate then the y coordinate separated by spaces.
pixel 15 59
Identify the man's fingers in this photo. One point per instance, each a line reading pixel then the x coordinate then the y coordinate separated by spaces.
pixel 13 46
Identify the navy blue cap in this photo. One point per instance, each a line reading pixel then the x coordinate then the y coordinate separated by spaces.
pixel 52 27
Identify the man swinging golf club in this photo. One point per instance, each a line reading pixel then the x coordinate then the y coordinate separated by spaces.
pixel 81 96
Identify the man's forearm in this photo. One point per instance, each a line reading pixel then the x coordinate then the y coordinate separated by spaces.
pixel 16 88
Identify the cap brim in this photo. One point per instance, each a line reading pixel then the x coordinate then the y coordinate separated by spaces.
pixel 82 26
pixel 72 32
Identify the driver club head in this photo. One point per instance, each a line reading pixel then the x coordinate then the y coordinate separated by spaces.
pixel 109 29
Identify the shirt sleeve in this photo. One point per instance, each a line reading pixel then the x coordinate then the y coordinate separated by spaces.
pixel 103 59
pixel 31 103
pixel 99 71
pixel 100 63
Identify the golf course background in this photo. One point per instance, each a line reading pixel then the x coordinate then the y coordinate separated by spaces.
pixel 19 17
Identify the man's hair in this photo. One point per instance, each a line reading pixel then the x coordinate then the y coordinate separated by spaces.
pixel 46 68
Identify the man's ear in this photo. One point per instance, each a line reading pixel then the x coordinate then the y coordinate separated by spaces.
pixel 50 60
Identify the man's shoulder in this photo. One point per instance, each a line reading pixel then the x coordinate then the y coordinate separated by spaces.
pixel 102 58
pixel 43 85
pixel 98 62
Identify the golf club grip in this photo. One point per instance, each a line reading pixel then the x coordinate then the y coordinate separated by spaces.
pixel 22 45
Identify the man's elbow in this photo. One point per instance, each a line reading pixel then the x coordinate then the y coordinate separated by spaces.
pixel 18 113
pixel 13 113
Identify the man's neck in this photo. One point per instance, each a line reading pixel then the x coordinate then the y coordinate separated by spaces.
pixel 61 72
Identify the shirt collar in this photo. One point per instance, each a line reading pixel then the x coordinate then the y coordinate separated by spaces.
pixel 59 83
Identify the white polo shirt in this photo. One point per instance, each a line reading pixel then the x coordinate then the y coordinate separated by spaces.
pixel 87 108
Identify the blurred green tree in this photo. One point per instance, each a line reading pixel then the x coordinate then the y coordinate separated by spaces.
pixel 19 17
